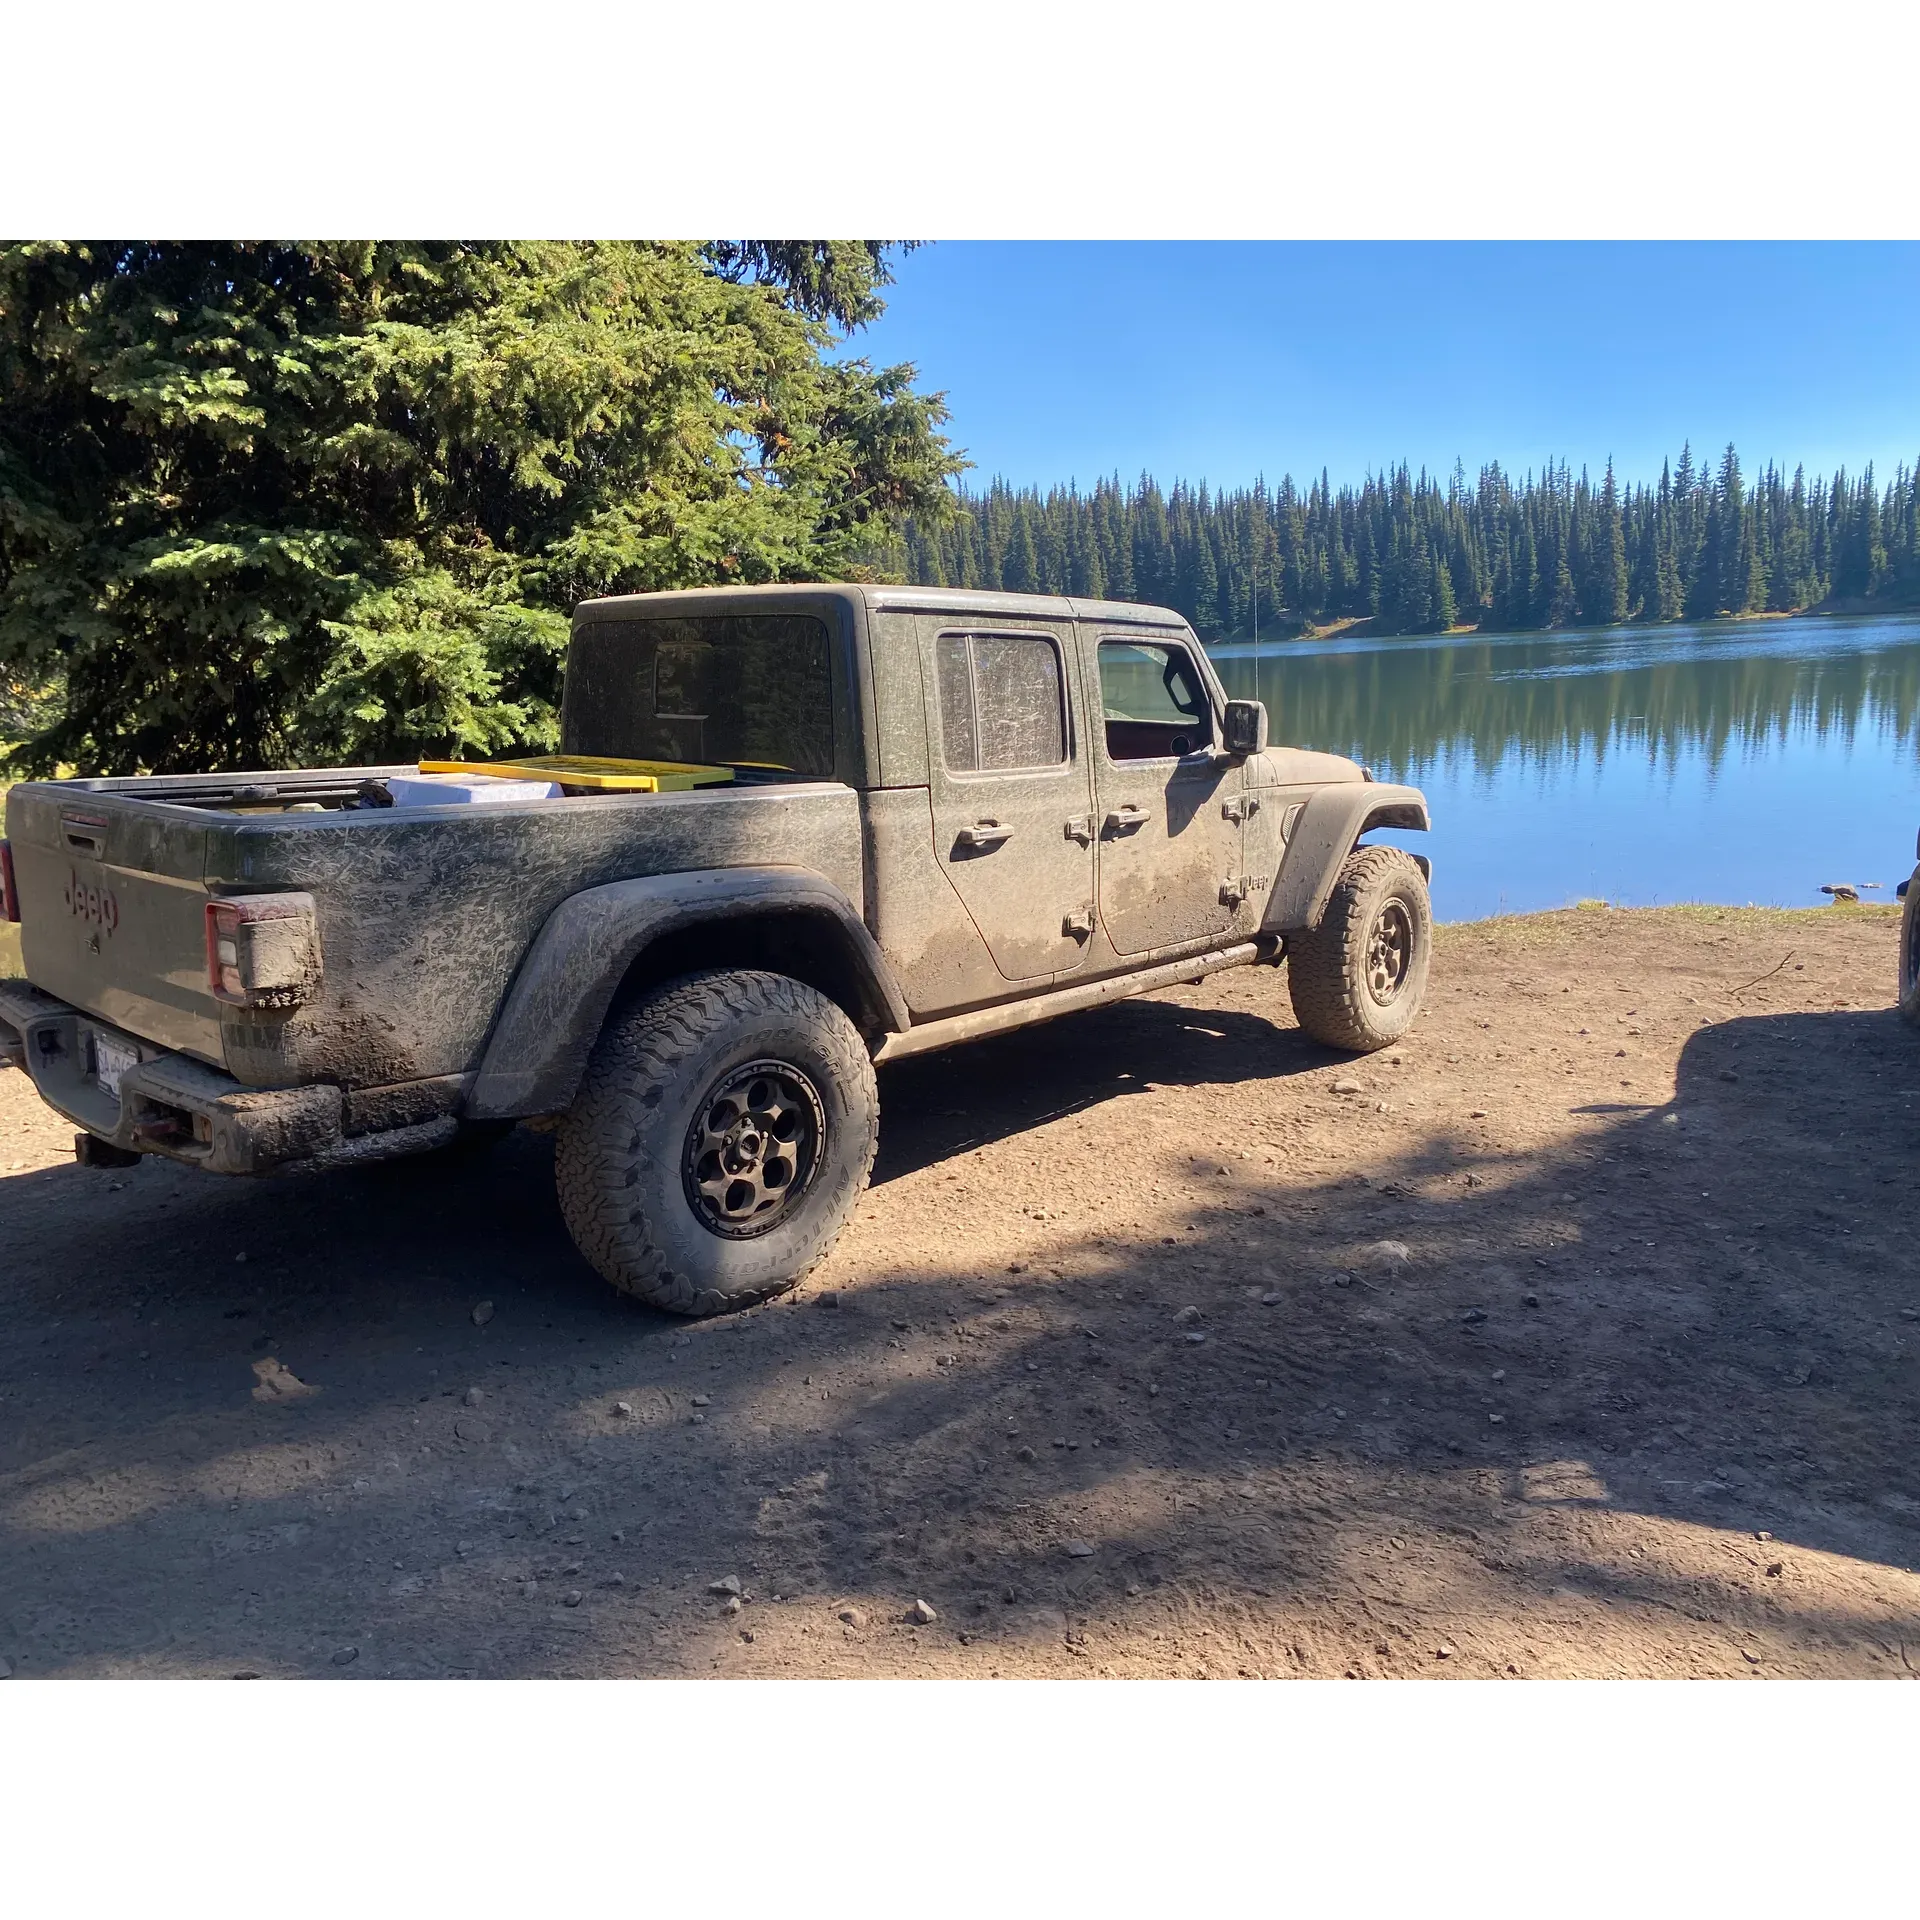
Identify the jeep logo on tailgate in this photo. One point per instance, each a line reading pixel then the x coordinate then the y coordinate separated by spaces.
pixel 86 901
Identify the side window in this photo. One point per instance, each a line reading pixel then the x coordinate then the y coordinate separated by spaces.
pixel 1153 701
pixel 1002 702
pixel 959 737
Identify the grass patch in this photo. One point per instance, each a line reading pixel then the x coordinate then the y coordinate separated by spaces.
pixel 1776 916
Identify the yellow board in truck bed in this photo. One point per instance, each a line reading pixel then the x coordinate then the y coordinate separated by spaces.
pixel 602 775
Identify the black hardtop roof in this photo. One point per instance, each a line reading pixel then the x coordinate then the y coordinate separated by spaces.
pixel 799 595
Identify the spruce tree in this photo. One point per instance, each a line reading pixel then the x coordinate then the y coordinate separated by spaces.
pixel 1562 603
pixel 1020 566
pixel 1671 592
pixel 1203 603
pixel 1527 603
pixel 1730 555
pixel 1446 610
pixel 1870 554
pixel 1684 546
pixel 1609 564
pixel 270 502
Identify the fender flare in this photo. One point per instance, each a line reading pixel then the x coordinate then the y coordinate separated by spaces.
pixel 1333 819
pixel 559 998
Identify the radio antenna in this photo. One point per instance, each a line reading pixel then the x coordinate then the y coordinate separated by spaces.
pixel 1256 625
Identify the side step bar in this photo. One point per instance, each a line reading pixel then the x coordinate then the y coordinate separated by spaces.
pixel 1049 1006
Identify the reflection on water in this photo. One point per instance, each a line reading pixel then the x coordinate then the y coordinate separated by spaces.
pixel 1739 760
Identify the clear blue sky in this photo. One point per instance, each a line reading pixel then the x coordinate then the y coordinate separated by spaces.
pixel 1221 361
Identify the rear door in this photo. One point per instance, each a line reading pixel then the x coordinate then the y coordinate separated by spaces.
pixel 1012 791
pixel 1169 801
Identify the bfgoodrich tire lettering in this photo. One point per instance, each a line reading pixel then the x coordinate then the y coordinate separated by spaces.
pixel 1358 979
pixel 621 1164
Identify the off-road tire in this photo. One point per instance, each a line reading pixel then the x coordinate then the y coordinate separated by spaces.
pixel 1327 969
pixel 1910 953
pixel 620 1154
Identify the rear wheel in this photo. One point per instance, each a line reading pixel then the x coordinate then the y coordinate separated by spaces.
pixel 1910 952
pixel 1358 979
pixel 724 1130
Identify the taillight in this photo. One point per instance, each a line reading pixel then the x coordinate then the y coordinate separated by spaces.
pixel 263 949
pixel 9 893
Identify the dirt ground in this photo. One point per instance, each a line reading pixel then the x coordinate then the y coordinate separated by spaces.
pixel 1577 1336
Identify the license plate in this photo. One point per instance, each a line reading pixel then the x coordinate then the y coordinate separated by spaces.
pixel 112 1058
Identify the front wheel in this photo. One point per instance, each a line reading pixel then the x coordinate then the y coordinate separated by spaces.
pixel 723 1132
pixel 1910 953
pixel 1358 979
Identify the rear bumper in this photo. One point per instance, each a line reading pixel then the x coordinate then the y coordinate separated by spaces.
pixel 181 1108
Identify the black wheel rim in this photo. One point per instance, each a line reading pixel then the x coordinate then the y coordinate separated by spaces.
pixel 1389 953
pixel 753 1149
pixel 1912 969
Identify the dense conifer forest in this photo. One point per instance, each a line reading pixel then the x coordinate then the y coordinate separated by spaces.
pixel 1419 555
pixel 271 503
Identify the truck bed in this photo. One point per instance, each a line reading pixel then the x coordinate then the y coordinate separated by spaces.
pixel 423 913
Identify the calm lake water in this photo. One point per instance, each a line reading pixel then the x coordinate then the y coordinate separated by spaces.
pixel 1732 761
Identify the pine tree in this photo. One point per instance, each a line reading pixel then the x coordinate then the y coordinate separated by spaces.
pixel 1608 594
pixel 1754 552
pixel 1446 610
pixel 1527 601
pixel 1867 553
pixel 1020 568
pixel 1203 598
pixel 1671 591
pixel 1563 603
pixel 1792 583
pixel 1548 550
pixel 1730 537
pixel 262 503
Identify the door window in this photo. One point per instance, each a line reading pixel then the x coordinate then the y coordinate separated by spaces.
pixel 1002 702
pixel 1154 703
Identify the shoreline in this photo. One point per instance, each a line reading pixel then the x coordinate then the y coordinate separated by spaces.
pixel 1747 912
pixel 1360 626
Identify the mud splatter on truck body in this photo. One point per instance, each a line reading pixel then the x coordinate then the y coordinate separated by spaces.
pixel 941 813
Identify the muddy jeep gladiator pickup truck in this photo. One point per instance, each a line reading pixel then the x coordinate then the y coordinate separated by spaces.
pixel 905 817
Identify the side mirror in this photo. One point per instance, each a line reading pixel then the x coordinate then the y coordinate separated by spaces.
pixel 1246 728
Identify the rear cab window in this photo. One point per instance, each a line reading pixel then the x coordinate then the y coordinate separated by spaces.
pixel 1154 703
pixel 751 690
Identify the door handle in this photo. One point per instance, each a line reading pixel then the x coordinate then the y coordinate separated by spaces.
pixel 983 836
pixel 1080 828
pixel 84 835
pixel 1125 819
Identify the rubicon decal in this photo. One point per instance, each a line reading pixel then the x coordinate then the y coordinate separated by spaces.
pixel 87 901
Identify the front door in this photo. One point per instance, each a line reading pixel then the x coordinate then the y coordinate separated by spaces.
pixel 1013 794
pixel 1169 800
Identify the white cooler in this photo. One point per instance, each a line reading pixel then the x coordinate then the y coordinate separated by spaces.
pixel 465 789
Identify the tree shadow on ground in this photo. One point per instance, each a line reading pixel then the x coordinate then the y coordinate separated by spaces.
pixel 937 1105
pixel 1601 1369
